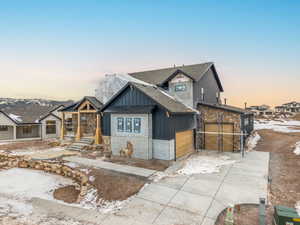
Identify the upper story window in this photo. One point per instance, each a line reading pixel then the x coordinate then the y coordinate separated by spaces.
pixel 180 87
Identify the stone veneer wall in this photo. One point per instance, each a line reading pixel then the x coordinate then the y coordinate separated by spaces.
pixel 210 115
pixel 8 161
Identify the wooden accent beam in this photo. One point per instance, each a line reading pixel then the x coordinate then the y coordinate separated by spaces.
pixel 87 111
pixel 98 135
pixel 78 134
pixel 62 131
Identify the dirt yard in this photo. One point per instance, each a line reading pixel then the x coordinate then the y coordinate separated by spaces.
pixel 247 214
pixel 40 145
pixel 284 166
pixel 110 186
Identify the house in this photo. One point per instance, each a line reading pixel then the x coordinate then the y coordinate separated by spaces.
pixel 261 110
pixel 162 113
pixel 29 122
pixel 80 120
pixel 158 125
pixel 291 107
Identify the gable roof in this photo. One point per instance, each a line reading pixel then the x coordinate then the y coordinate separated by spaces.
pixel 160 76
pixel 163 99
pixel 28 114
pixel 73 107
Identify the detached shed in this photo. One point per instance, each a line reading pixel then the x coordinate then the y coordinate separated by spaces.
pixel 220 127
pixel 157 125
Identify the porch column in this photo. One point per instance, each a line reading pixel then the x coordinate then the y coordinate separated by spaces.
pixel 78 134
pixel 62 131
pixel 14 132
pixel 98 131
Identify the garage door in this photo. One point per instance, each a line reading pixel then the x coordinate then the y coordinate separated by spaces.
pixel 184 143
pixel 221 141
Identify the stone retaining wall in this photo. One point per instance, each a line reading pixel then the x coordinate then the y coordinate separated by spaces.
pixel 8 161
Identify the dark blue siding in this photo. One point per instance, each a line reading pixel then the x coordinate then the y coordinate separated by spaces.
pixel 210 86
pixel 164 127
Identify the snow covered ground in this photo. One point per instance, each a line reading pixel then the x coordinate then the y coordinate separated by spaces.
pixel 252 141
pixel 29 151
pixel 297 206
pixel 205 164
pixel 297 149
pixel 284 126
pixel 24 184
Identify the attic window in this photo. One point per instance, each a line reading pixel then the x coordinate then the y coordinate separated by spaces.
pixel 180 87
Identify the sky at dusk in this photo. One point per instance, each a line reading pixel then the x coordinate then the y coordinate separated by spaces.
pixel 60 49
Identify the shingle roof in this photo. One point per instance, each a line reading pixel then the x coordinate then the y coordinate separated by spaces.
pixel 226 107
pixel 159 76
pixel 30 113
pixel 162 98
pixel 73 107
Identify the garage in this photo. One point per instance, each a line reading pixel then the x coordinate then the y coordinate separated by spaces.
pixel 219 137
pixel 184 143
pixel 222 127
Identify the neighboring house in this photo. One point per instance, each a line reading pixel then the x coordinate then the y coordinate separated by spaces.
pixel 81 120
pixel 261 110
pixel 291 107
pixel 29 122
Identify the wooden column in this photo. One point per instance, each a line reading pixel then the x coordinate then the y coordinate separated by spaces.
pixel 98 131
pixel 78 134
pixel 62 131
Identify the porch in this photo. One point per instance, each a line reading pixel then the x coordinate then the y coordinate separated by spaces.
pixel 81 120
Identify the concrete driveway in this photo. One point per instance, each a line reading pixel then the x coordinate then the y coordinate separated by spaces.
pixel 186 200
pixel 198 199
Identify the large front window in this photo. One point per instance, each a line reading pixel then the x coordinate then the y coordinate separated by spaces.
pixel 50 127
pixel 129 124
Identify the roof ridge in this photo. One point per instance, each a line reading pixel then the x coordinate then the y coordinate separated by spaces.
pixel 167 68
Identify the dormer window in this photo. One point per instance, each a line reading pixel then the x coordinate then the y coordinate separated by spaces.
pixel 180 87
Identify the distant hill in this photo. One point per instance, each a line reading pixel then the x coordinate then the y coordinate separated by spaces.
pixel 11 102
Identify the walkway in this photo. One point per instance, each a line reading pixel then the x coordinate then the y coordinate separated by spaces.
pixel 111 166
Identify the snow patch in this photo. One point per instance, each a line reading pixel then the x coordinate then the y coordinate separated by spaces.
pixel 205 164
pixel 297 206
pixel 252 141
pixel 25 184
pixel 14 207
pixel 91 201
pixel 15 117
pixel 284 126
pixel 297 148
pixel 71 164
pixel 31 151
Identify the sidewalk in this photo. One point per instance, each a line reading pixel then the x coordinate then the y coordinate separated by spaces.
pixel 112 166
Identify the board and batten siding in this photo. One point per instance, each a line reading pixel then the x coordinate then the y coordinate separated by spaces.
pixel 210 86
pixel 4 121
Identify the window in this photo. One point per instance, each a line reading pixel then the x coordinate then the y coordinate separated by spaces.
pixel 69 124
pixel 246 121
pixel 50 127
pixel 27 130
pixel 3 128
pixel 180 87
pixel 120 124
pixel 129 125
pixel 137 125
